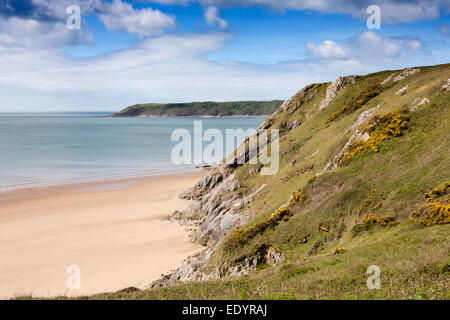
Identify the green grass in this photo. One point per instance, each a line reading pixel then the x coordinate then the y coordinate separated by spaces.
pixel 414 260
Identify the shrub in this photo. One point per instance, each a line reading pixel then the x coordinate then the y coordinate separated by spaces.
pixel 380 128
pixel 340 213
pixel 358 101
pixel 242 236
pixel 297 198
pixel 387 220
pixel 339 250
pixel 437 211
pixel 438 192
pixel 370 203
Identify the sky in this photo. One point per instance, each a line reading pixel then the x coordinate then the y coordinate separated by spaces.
pixel 127 52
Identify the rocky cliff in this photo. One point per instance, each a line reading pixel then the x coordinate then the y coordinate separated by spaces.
pixel 353 156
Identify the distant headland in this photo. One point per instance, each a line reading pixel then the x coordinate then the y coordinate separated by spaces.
pixel 201 109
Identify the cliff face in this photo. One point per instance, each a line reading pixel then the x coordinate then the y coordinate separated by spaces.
pixel 356 157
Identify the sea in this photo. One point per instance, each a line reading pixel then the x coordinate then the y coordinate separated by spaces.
pixel 43 149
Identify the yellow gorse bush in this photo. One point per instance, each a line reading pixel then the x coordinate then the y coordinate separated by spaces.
pixel 437 211
pixel 370 203
pixel 438 192
pixel 380 128
pixel 387 220
pixel 340 213
pixel 297 198
pixel 358 101
pixel 242 236
pixel 372 206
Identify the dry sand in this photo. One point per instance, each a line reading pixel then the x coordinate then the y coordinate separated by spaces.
pixel 114 231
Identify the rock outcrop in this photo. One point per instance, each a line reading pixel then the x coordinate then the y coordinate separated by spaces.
pixel 358 135
pixel 422 102
pixel 334 88
pixel 192 269
pixel 405 73
pixel 362 117
pixel 446 85
pixel 398 76
pixel 303 96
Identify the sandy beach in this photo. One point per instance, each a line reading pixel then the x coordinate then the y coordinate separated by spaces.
pixel 113 231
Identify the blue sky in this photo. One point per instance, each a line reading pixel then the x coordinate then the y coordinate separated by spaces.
pixel 130 52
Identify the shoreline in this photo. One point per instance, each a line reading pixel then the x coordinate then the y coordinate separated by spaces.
pixel 192 116
pixel 115 231
pixel 106 183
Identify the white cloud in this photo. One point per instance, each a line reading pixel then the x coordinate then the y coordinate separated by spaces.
pixel 167 68
pixel 366 47
pixel 50 15
pixel 212 17
pixel 145 22
pixel 392 11
pixel 164 68
pixel 18 32
pixel 327 49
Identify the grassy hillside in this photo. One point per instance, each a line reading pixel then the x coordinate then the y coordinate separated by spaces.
pixel 210 108
pixel 385 203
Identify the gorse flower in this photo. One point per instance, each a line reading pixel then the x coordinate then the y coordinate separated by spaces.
pixel 370 203
pixel 297 198
pixel 380 128
pixel 438 192
pixel 242 236
pixel 357 102
pixel 387 220
pixel 437 211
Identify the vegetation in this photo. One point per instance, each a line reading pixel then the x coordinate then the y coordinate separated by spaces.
pixel 437 211
pixel 331 225
pixel 358 101
pixel 381 128
pixel 210 108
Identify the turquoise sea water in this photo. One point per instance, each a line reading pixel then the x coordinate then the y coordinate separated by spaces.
pixel 54 148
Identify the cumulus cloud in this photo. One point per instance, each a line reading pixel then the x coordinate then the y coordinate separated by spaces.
pixel 392 11
pixel 145 22
pixel 164 67
pixel 167 68
pixel 367 46
pixel 212 17
pixel 19 32
pixel 45 10
pixel 327 49
pixel 29 17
